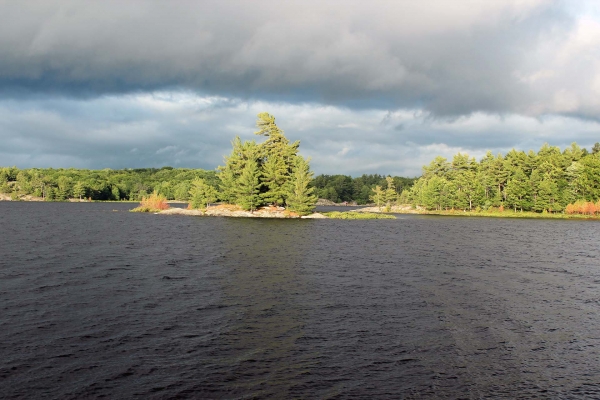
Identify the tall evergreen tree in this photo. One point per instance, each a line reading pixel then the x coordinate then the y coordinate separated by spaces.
pixel 276 180
pixel 378 195
pixel 390 195
pixel 301 198
pixel 277 158
pixel 248 188
pixel 517 190
pixel 229 173
pixel 201 194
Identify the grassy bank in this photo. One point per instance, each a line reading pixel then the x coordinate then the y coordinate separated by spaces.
pixel 356 215
pixel 508 214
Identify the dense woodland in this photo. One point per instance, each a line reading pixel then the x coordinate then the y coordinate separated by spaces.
pixel 173 183
pixel 106 184
pixel 546 181
pixel 254 174
pixel 269 173
pixel 340 188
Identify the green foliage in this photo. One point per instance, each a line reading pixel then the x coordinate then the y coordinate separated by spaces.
pixel 268 173
pixel 544 181
pixel 339 188
pixel 357 215
pixel 276 180
pixel 378 195
pixel 107 184
pixel 79 190
pixel 116 193
pixel 201 194
pixel 301 198
pixel 390 195
pixel 50 194
pixel 249 187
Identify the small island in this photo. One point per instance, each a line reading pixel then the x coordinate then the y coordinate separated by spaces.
pixel 266 180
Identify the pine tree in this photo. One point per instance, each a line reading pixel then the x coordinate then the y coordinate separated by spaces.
pixel 276 179
pixel 547 196
pixel 301 198
pixel 201 194
pixel 378 195
pixel 390 195
pixel 249 186
pixel 229 174
pixel 517 190
pixel 277 158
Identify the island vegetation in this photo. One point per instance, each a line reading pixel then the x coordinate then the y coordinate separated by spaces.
pixel 255 175
pixel 357 215
pixel 550 181
pixel 154 203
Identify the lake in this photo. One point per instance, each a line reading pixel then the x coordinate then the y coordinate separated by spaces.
pixel 99 302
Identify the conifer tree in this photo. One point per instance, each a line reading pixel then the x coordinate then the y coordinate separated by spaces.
pixel 301 198
pixel 229 173
pixel 248 188
pixel 276 179
pixel 390 195
pixel 254 175
pixel 277 158
pixel 201 194
pixel 378 195
pixel 517 190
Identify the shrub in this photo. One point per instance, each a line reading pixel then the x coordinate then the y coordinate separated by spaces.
pixel 153 203
pixel 583 207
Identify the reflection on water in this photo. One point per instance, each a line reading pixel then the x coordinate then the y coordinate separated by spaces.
pixel 258 348
pixel 99 302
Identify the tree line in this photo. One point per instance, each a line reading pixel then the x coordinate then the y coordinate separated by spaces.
pixel 254 175
pixel 107 184
pixel 340 188
pixel 546 181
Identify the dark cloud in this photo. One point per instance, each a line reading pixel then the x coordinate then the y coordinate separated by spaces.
pixel 367 87
pixel 183 130
pixel 446 57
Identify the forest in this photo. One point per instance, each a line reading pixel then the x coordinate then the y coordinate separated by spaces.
pixel 550 180
pixel 340 188
pixel 107 184
pixel 254 174
pixel 173 183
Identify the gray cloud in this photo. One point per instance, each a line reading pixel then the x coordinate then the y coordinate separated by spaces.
pixel 445 57
pixel 184 130
pixel 367 87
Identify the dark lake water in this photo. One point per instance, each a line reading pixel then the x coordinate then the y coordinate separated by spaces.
pixel 98 302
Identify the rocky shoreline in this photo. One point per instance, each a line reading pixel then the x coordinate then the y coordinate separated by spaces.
pixel 398 209
pixel 228 211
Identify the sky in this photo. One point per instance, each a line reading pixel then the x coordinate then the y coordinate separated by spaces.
pixel 367 87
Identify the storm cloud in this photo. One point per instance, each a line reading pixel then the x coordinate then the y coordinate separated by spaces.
pixel 367 86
